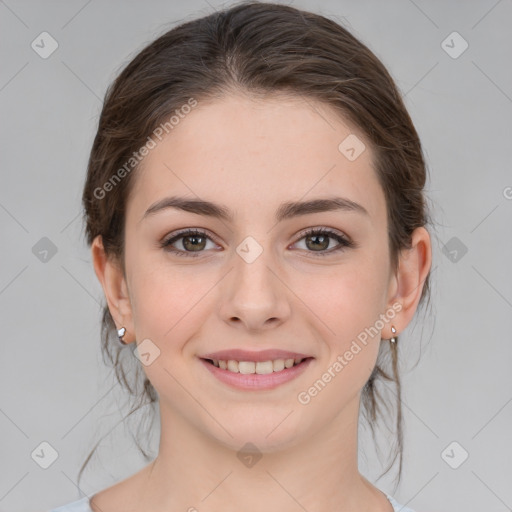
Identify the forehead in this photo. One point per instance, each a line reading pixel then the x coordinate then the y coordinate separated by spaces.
pixel 252 154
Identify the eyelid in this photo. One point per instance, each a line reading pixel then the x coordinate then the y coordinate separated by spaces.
pixel 344 241
pixel 182 233
pixel 328 230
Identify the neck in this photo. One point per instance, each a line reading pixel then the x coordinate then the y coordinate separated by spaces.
pixel 194 472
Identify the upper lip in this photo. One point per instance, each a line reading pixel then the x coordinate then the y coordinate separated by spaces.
pixel 245 355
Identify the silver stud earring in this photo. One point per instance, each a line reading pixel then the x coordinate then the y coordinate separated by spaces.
pixel 394 338
pixel 120 333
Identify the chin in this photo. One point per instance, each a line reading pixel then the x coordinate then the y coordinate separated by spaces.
pixel 262 437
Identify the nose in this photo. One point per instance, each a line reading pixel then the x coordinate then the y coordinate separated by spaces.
pixel 253 296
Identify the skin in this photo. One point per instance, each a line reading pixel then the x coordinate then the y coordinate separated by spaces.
pixel 261 152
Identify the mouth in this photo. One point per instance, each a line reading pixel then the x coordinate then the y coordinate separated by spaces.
pixel 256 367
pixel 254 371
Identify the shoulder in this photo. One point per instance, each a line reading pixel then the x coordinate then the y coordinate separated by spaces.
pixel 81 505
pixel 396 506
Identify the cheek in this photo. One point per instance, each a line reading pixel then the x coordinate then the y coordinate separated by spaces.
pixel 170 301
pixel 160 305
pixel 346 299
pixel 348 305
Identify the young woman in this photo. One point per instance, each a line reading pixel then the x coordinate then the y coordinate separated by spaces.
pixel 255 208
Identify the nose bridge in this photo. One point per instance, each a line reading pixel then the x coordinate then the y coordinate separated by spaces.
pixel 252 274
pixel 254 294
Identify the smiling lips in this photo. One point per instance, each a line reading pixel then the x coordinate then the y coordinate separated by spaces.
pixel 255 381
pixel 259 367
pixel 260 362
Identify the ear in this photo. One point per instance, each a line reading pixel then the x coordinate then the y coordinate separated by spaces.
pixel 115 288
pixel 408 282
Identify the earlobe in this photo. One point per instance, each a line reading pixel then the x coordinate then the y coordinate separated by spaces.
pixel 414 266
pixel 114 286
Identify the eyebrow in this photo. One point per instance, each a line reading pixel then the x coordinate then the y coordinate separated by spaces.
pixel 285 211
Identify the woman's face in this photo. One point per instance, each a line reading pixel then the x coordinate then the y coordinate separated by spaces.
pixel 255 280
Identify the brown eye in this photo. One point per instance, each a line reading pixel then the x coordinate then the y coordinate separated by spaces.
pixel 192 241
pixel 319 240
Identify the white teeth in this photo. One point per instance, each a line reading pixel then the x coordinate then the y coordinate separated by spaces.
pixel 233 366
pixel 278 365
pixel 246 367
pixel 263 367
pixel 259 367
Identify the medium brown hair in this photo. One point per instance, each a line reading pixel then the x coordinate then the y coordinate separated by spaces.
pixel 256 48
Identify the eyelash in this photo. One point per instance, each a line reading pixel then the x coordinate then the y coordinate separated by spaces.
pixel 344 242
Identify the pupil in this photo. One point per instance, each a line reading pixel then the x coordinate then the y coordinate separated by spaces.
pixel 192 245
pixel 324 238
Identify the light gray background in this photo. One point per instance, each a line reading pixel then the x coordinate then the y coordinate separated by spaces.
pixel 54 386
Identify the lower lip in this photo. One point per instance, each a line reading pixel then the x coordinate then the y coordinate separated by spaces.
pixel 255 381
